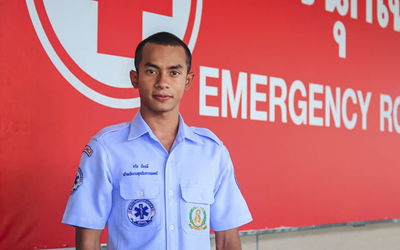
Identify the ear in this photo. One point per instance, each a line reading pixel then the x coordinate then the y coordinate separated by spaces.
pixel 189 80
pixel 134 78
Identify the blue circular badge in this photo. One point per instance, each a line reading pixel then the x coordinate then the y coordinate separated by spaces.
pixel 141 212
pixel 78 180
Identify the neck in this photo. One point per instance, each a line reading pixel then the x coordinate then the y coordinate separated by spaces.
pixel 164 126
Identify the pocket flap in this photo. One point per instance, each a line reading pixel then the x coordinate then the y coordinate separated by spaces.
pixel 138 189
pixel 197 194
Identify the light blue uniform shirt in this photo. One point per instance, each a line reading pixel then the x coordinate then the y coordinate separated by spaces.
pixel 152 199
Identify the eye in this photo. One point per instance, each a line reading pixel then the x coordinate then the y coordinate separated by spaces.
pixel 150 71
pixel 175 73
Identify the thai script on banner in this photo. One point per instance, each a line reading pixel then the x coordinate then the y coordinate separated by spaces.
pixel 343 7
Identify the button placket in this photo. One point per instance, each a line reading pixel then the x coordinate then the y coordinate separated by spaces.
pixel 169 203
pixel 172 199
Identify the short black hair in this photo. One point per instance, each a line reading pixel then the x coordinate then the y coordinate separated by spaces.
pixel 162 38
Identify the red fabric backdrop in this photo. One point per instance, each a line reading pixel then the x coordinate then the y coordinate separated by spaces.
pixel 291 175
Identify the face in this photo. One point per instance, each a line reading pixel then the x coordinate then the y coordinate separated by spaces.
pixel 162 78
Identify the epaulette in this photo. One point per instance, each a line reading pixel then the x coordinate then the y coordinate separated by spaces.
pixel 204 132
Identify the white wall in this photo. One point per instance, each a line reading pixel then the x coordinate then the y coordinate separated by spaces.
pixel 382 236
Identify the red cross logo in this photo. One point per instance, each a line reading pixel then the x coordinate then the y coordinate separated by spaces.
pixel 92 43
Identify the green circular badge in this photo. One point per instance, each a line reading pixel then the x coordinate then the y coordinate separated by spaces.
pixel 198 218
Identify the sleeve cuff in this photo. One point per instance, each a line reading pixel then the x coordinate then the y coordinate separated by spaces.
pixel 239 222
pixel 78 222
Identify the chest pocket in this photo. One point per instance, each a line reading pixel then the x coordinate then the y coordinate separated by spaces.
pixel 195 208
pixel 140 204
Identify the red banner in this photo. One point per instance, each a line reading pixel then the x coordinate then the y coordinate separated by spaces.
pixel 305 94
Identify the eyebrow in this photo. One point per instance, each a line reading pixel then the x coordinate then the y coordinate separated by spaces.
pixel 178 66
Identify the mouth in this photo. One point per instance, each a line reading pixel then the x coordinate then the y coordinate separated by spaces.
pixel 161 97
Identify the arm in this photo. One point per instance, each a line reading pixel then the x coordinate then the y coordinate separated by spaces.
pixel 87 239
pixel 228 240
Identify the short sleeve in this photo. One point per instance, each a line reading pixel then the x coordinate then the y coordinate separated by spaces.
pixel 229 209
pixel 90 201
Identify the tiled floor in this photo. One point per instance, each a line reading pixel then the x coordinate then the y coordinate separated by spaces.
pixel 383 236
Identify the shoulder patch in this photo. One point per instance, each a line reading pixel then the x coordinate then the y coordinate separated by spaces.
pixel 78 180
pixel 111 128
pixel 88 150
pixel 204 132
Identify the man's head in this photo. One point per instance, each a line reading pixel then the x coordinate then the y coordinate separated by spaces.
pixel 162 38
pixel 162 73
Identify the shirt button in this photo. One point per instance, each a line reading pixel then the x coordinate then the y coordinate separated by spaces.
pixel 141 193
pixel 170 192
pixel 200 198
pixel 171 227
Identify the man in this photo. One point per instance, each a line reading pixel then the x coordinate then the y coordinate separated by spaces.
pixel 155 182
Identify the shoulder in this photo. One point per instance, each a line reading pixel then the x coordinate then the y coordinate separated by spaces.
pixel 107 137
pixel 207 135
pixel 112 131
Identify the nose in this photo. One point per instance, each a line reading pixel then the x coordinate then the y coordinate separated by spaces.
pixel 163 81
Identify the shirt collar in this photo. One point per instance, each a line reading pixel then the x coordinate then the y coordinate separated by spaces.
pixel 185 131
pixel 139 127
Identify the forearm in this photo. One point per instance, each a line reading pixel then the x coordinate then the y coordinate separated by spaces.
pixel 229 246
pixel 87 239
pixel 228 240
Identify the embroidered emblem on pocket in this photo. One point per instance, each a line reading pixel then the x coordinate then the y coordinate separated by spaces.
pixel 141 212
pixel 198 218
